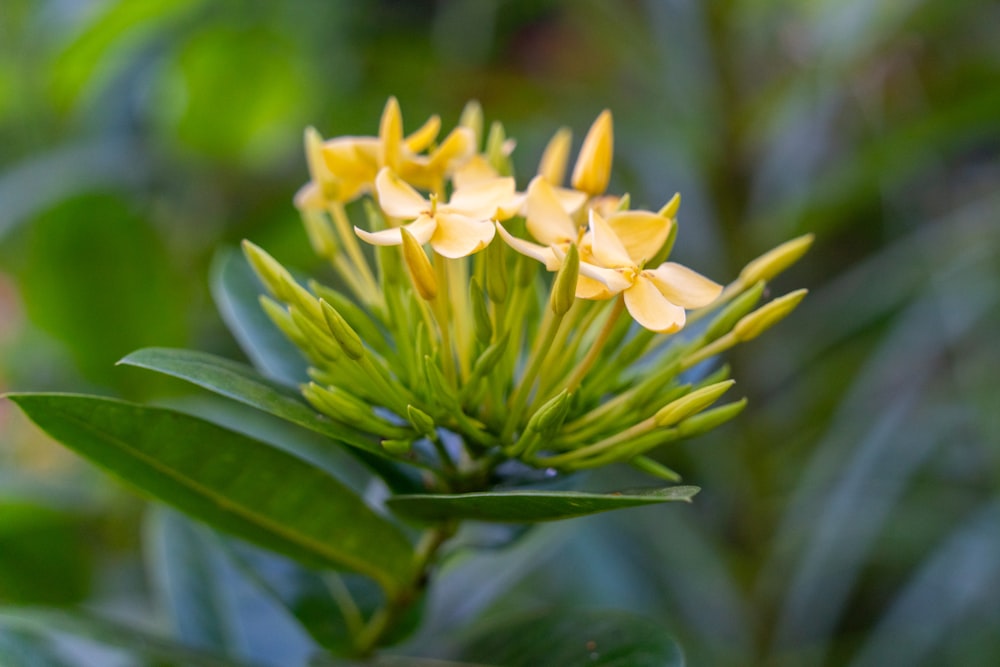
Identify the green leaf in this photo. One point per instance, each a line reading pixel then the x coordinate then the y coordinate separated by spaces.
pixel 570 638
pixel 237 484
pixel 143 648
pixel 528 506
pixel 236 290
pixel 242 383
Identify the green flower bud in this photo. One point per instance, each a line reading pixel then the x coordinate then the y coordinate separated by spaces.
pixel 349 340
pixel 740 306
pixel 776 260
pixel 498 149
pixel 422 422
pixel 765 317
pixel 472 118
pixel 496 272
pixel 710 419
pixel 320 233
pixel 482 325
pixel 274 276
pixel 397 447
pixel 491 356
pixel 669 210
pixel 691 404
pixel 564 286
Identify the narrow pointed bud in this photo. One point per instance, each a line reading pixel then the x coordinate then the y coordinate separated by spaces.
pixel 496 272
pixel 669 210
pixel 624 203
pixel 552 414
pixel 274 276
pixel 321 236
pixel 337 404
pixel 498 149
pixel 668 246
pixel 302 299
pixel 654 468
pixel 691 404
pixel 390 133
pixel 710 419
pixel 440 391
pixel 491 356
pixel 316 338
pixel 552 166
pixel 737 309
pixel 397 447
pixel 420 269
pixel 349 340
pixel 472 118
pixel 564 286
pixel 482 325
pixel 765 317
pixel 776 260
pixel 422 422
pixel 278 314
pixel 593 165
pixel 424 136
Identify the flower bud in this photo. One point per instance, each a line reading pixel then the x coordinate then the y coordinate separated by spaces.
pixel 274 276
pixel 710 419
pixel 491 356
pixel 690 404
pixel 731 314
pixel 422 422
pixel 498 149
pixel 321 237
pixel 776 260
pixel 496 272
pixel 593 164
pixel 390 132
pixel 278 314
pixel 397 447
pixel 669 210
pixel 421 271
pixel 765 317
pixel 349 340
pixel 552 166
pixel 564 286
pixel 482 325
pixel 472 118
pixel 316 338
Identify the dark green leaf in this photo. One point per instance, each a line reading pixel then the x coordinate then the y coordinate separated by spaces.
pixel 230 481
pixel 572 638
pixel 242 383
pixel 236 290
pixel 528 506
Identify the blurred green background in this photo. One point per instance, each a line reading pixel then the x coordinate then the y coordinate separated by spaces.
pixel 850 517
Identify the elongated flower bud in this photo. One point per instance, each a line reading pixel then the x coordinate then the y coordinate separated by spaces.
pixel 739 307
pixel 421 271
pixel 491 356
pixel 765 317
pixel 691 404
pixel 556 156
pixel 274 276
pixel 776 260
pixel 422 422
pixel 482 325
pixel 472 118
pixel 564 286
pixel 593 165
pixel 710 419
pixel 496 273
pixel 390 132
pixel 349 340
pixel 669 210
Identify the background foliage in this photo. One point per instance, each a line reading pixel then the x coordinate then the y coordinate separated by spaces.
pixel 849 515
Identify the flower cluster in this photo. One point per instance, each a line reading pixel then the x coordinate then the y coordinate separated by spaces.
pixel 507 340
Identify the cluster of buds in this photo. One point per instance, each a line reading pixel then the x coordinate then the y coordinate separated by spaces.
pixel 510 339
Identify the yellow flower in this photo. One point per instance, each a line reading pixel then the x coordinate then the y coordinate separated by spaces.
pixel 343 168
pixel 656 298
pixel 459 228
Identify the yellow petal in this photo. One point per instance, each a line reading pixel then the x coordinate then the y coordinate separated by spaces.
pixel 683 286
pixel 555 157
pixel 397 198
pixel 593 164
pixel 613 279
pixel 457 147
pixel 641 232
pixel 545 216
pixel 422 230
pixel 390 132
pixel 459 236
pixel 482 199
pixel 606 247
pixel 309 198
pixel 425 136
pixel 475 170
pixel 543 254
pixel 314 155
pixel 570 200
pixel 588 288
pixel 651 309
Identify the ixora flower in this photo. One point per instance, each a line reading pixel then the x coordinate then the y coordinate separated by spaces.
pixel 452 376
pixel 458 228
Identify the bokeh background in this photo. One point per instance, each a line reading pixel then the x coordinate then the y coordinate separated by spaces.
pixel 850 517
